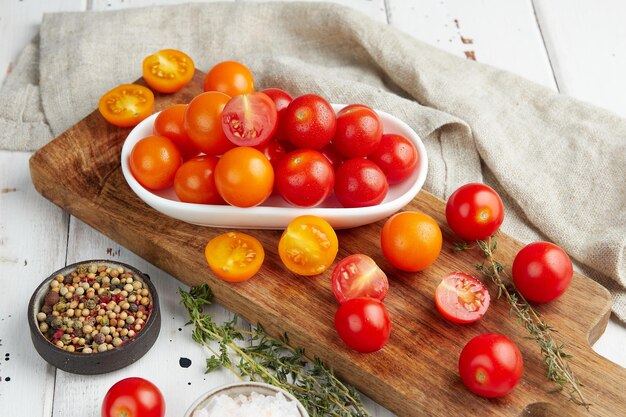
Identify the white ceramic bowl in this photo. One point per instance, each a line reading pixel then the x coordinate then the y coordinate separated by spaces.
pixel 243 388
pixel 275 213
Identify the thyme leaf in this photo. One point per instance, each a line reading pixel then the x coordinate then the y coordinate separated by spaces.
pixel 270 360
pixel 554 357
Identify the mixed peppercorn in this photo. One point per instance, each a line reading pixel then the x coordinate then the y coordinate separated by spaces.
pixel 94 309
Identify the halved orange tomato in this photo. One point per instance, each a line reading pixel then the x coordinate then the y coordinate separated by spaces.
pixel 168 70
pixel 126 105
pixel 234 256
pixel 308 246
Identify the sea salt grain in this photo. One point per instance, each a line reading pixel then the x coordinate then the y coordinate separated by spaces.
pixel 253 405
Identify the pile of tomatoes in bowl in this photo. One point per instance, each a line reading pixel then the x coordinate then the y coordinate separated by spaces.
pixel 234 145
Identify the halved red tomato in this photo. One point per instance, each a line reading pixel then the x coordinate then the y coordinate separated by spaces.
pixel 359 276
pixel 461 298
pixel 249 119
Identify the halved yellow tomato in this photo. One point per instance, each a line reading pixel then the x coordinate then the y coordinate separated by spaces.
pixel 126 105
pixel 308 246
pixel 234 256
pixel 168 70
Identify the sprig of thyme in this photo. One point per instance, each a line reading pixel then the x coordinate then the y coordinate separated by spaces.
pixel 554 355
pixel 270 360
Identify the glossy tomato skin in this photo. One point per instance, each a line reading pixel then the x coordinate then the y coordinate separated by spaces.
pixel 461 298
pixel 359 131
pixel 229 77
pixel 194 181
pixel 333 156
pixel 304 178
pixel 360 183
pixel 244 177
pixel 154 161
pixel 411 241
pixel 308 246
pixel 363 324
pixel 281 99
pixel 310 122
pixel 474 211
pixel 203 123
pixel 542 272
pixel 491 365
pixel 396 156
pixel 171 124
pixel 168 70
pixel 133 397
pixel 358 276
pixel 126 105
pixel 249 119
pixel 234 256
pixel 273 151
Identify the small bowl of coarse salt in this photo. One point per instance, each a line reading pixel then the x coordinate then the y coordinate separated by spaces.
pixel 247 399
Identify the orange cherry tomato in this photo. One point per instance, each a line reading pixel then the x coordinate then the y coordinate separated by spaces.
pixel 126 105
pixel 168 70
pixel 194 181
pixel 229 77
pixel 234 256
pixel 308 246
pixel 203 123
pixel 171 124
pixel 411 241
pixel 154 161
pixel 244 177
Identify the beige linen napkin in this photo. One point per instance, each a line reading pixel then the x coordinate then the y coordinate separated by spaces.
pixel 558 163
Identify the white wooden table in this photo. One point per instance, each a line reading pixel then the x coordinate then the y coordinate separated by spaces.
pixel 574 46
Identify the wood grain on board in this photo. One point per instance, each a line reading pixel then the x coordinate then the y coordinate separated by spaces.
pixel 416 373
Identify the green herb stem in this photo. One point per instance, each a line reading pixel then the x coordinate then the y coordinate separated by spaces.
pixel 270 360
pixel 554 356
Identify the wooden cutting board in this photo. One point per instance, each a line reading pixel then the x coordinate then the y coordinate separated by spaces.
pixel 416 373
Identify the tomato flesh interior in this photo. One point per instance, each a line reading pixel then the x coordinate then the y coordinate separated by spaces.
pixel 359 276
pixel 234 256
pixel 308 246
pixel 249 119
pixel 461 298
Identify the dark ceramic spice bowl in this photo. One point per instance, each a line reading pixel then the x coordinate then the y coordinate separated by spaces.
pixel 95 363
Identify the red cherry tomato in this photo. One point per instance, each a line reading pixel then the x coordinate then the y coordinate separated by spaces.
pixel 281 100
pixel 490 365
pixel 360 183
pixel 273 151
pixel 195 181
pixel 542 272
pixel 154 161
pixel 133 397
pixel 333 156
pixel 461 298
pixel 396 156
pixel 359 131
pixel 171 124
pixel 363 324
pixel 474 211
pixel 304 178
pixel 359 276
pixel 203 123
pixel 310 122
pixel 249 119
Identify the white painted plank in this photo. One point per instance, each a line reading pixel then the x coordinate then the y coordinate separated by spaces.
pixel 127 4
pixel 586 42
pixel 19 22
pixel 180 386
pixel 33 236
pixel 499 33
